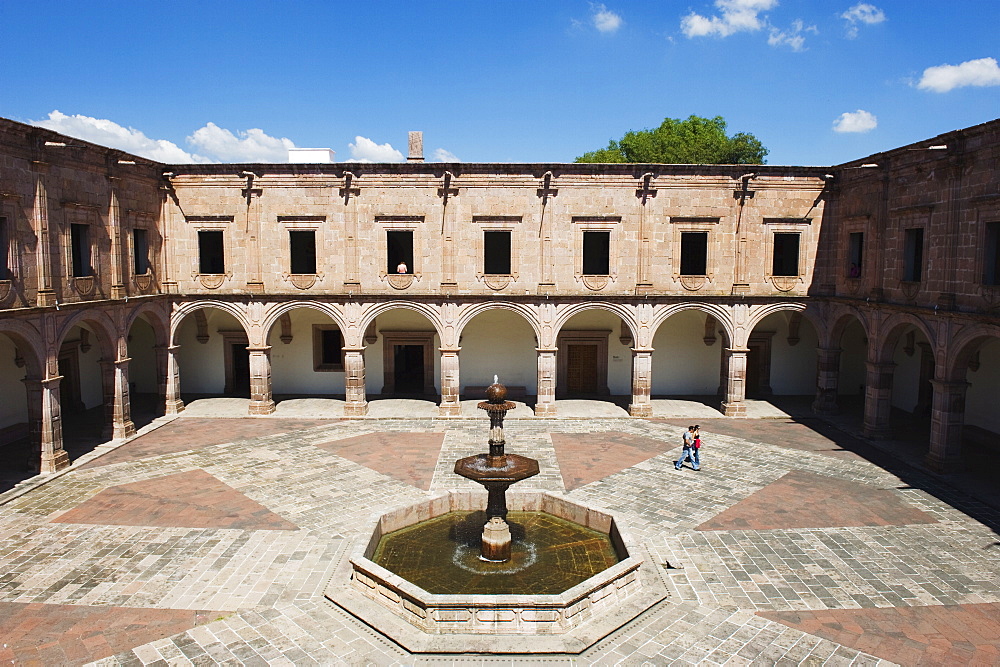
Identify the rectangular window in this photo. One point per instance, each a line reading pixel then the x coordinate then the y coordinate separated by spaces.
pixel 855 250
pixel 496 253
pixel 4 250
pixel 328 348
pixel 913 255
pixel 140 252
pixel 694 253
pixel 596 253
pixel 786 255
pixel 80 240
pixel 991 273
pixel 303 248
pixel 399 250
pixel 211 258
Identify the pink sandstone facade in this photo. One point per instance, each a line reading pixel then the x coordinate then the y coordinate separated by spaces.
pixel 877 279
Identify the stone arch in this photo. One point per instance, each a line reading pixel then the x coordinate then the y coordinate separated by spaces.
pixel 758 315
pixel 721 314
pixel 103 326
pixel 621 311
pixel 156 319
pixel 431 313
pixel 477 309
pixel 964 345
pixel 273 314
pixel 893 328
pixel 186 309
pixel 840 320
pixel 28 340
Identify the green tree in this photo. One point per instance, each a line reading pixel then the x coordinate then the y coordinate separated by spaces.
pixel 696 140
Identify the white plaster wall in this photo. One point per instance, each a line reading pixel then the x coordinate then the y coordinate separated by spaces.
pixel 13 395
pixel 793 367
pixel 91 387
pixel 292 365
pixel 682 363
pixel 202 366
pixel 400 319
pixel 981 398
pixel 142 368
pixel 619 356
pixel 905 382
pixel 499 342
pixel 854 351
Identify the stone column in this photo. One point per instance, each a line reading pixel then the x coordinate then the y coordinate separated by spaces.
pixel 45 426
pixel 118 423
pixel 161 373
pixel 354 382
pixel 45 294
pixel 545 402
pixel 878 400
pixel 642 382
pixel 261 402
pixel 733 405
pixel 451 405
pixel 947 420
pixel 827 381
pixel 173 404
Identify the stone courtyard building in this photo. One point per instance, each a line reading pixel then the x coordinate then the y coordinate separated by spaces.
pixel 874 283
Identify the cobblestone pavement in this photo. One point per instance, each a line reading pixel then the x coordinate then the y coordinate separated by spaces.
pixel 210 542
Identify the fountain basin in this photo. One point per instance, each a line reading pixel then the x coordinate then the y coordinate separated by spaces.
pixel 604 601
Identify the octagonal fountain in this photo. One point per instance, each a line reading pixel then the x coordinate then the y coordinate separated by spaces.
pixel 533 572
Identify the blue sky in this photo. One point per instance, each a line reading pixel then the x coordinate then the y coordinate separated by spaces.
pixel 510 81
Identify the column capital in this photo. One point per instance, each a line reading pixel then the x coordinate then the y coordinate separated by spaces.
pixel 258 348
pixel 449 349
pixel 736 350
pixel 642 350
pixel 949 386
pixel 543 350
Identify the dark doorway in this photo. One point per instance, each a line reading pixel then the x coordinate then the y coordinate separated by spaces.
pixel 240 356
pixel 581 369
pixel 753 372
pixel 408 369
pixel 70 400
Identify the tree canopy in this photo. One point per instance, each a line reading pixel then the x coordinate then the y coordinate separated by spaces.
pixel 696 140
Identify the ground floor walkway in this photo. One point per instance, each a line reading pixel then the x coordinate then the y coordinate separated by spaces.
pixel 209 540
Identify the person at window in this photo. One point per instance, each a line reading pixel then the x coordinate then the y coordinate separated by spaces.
pixel 401 267
pixel 855 271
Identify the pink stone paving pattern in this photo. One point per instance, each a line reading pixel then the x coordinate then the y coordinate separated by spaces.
pixel 67 634
pixel 184 434
pixel 802 499
pixel 406 456
pixel 967 634
pixel 190 499
pixel 589 457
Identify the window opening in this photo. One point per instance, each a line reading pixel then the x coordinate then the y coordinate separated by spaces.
pixel 303 250
pixel 210 252
pixel 399 249
pixel 140 252
pixel 694 253
pixel 496 253
pixel 596 253
pixel 856 244
pixel 80 240
pixel 913 255
pixel 786 255
pixel 328 348
pixel 992 266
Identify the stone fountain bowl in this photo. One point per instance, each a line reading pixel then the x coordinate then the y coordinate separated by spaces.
pixel 567 622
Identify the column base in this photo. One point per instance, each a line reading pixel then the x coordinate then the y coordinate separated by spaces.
pixel 255 287
pixel 545 410
pixel 261 407
pixel 877 432
pixel 356 409
pixel 45 297
pixel 449 410
pixel 123 431
pixel 118 292
pixel 173 407
pixel 734 409
pixel 640 410
pixel 825 408
pixel 58 461
pixel 943 465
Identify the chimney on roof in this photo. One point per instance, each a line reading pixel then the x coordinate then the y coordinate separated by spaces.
pixel 310 155
pixel 416 147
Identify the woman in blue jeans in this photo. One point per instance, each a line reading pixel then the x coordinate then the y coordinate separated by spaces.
pixel 692 443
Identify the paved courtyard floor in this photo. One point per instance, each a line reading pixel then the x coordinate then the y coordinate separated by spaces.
pixel 209 541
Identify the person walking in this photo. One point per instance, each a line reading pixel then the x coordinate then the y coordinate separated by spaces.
pixel 692 442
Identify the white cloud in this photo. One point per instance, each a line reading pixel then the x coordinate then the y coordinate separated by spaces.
pixel 736 16
pixel 111 134
pixel 604 19
pixel 366 150
pixel 858 121
pixel 793 37
pixel 861 13
pixel 250 146
pixel 942 78
pixel 442 155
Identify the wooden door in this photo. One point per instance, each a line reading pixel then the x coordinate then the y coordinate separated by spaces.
pixel 581 369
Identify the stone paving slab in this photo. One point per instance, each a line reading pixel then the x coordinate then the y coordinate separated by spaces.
pixel 409 456
pixel 273 579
